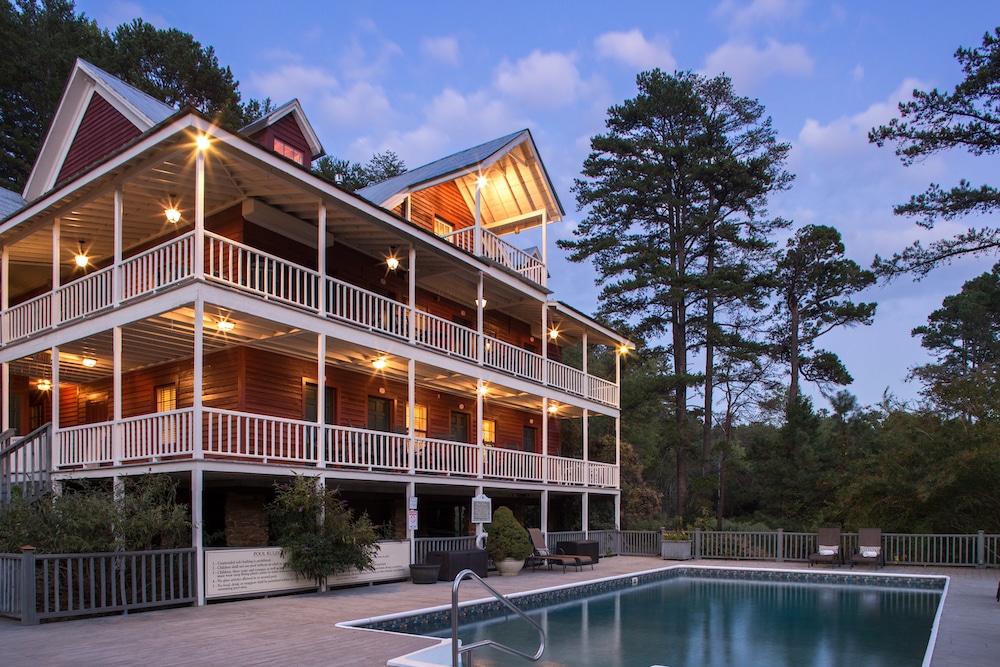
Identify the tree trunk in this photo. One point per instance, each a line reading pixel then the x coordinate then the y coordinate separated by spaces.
pixel 793 349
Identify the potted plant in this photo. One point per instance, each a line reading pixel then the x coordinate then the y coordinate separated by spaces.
pixel 676 543
pixel 508 543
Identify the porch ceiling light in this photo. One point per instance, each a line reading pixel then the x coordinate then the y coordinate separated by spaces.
pixel 89 362
pixel 623 349
pixel 553 333
pixel 553 409
pixel 44 385
pixel 173 215
pixel 225 325
pixel 483 303
pixel 380 362
pixel 392 261
pixel 481 182
pixel 202 142
pixel 484 390
pixel 81 259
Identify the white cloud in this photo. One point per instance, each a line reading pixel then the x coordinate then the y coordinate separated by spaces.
pixel 362 61
pixel 541 80
pixel 362 105
pixel 632 48
pixel 442 49
pixel 742 17
pixel 748 65
pixel 288 81
pixel 858 73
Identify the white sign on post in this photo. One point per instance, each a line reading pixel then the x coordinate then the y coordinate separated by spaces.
pixel 482 509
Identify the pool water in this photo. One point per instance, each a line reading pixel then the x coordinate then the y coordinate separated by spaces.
pixel 689 621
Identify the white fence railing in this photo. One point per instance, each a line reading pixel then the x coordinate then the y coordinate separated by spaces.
pixel 88 445
pixel 268 439
pixel 242 267
pixel 512 464
pixel 158 436
pixel 368 450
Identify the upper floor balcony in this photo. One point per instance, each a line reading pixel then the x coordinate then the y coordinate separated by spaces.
pixel 222 261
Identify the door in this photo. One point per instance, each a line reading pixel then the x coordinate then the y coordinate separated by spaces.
pixel 528 438
pixel 379 414
pixel 459 427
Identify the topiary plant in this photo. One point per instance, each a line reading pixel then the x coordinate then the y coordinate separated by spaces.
pixel 507 538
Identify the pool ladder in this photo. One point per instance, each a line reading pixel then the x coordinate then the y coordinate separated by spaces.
pixel 457 650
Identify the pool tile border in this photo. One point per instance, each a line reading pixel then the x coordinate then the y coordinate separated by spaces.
pixel 431 620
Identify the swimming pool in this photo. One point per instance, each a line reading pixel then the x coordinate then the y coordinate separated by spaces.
pixel 684 616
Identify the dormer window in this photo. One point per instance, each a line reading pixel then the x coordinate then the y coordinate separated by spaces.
pixel 292 153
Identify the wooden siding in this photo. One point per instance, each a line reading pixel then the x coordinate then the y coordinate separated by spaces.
pixel 288 131
pixel 444 201
pixel 102 130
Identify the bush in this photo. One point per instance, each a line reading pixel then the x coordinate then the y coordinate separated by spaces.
pixel 88 518
pixel 507 538
pixel 319 533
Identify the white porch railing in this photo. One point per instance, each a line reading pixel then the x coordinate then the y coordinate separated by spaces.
pixel 512 464
pixel 566 378
pixel 445 457
pixel 445 336
pixel 27 318
pixel 602 474
pixel 250 269
pixel 512 359
pixel 501 252
pixel 86 296
pixel 268 439
pixel 245 268
pixel 369 450
pixel 158 436
pixel 158 267
pixel 372 311
pixel 88 445
pixel 567 471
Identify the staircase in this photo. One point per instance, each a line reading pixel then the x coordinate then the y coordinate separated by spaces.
pixel 25 464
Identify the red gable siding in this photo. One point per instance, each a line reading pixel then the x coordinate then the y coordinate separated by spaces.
pixel 102 130
pixel 288 131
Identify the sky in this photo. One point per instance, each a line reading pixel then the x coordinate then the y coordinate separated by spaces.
pixel 427 79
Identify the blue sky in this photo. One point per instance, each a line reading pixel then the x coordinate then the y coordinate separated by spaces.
pixel 426 79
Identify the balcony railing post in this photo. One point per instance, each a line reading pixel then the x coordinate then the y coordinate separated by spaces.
pixel 697 544
pixel 28 594
pixel 779 550
pixel 980 549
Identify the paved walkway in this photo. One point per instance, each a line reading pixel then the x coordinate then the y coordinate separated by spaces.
pixel 300 630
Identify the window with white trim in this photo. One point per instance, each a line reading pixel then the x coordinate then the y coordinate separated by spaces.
pixel 292 153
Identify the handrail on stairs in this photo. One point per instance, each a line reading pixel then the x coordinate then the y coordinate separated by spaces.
pixel 457 650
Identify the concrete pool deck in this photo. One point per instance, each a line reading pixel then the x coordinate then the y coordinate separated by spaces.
pixel 301 629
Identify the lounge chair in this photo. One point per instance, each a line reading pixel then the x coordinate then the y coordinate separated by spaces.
pixel 869 548
pixel 545 556
pixel 828 548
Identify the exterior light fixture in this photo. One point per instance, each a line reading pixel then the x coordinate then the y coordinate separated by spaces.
pixel 553 333
pixel 225 325
pixel 623 350
pixel 380 363
pixel 553 409
pixel 480 182
pixel 483 390
pixel 173 215
pixel 483 303
pixel 392 261
pixel 44 385
pixel 89 362
pixel 202 143
pixel 81 259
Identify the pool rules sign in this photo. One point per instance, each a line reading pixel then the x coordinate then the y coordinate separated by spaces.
pixel 482 509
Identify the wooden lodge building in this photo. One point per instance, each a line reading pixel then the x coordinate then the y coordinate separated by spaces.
pixel 183 299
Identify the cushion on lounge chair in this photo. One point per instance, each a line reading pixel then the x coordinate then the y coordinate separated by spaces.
pixel 829 550
pixel 870 552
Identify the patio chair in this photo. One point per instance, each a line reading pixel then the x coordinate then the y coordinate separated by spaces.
pixel 545 556
pixel 869 548
pixel 828 548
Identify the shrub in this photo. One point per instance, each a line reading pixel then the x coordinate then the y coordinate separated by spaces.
pixel 319 533
pixel 507 538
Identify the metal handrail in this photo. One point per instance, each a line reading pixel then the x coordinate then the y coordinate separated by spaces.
pixel 456 650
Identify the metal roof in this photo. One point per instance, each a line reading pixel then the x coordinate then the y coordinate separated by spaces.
pixel 145 104
pixel 9 202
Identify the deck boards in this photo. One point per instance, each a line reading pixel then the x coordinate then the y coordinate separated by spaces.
pixel 300 630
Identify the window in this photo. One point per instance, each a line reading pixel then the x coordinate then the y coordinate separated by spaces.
pixel 166 400
pixel 292 153
pixel 329 403
pixel 419 420
pixel 442 227
pixel 489 432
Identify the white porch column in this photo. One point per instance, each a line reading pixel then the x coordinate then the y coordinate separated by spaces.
pixel 586 437
pixel 320 401
pixel 478 229
pixel 55 405
pixel 116 274
pixel 411 421
pixel 545 439
pixel 545 511
pixel 586 373
pixel 411 534
pixel 321 256
pixel 545 344
pixel 198 531
pixel 479 320
pixel 198 375
pixel 618 511
pixel 54 304
pixel 585 514
pixel 411 286
pixel 5 390
pixel 116 392
pixel 199 213
pixel 480 444
pixel 545 248
pixel 618 413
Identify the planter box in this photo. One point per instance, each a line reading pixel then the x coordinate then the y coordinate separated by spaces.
pixel 424 573
pixel 675 550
